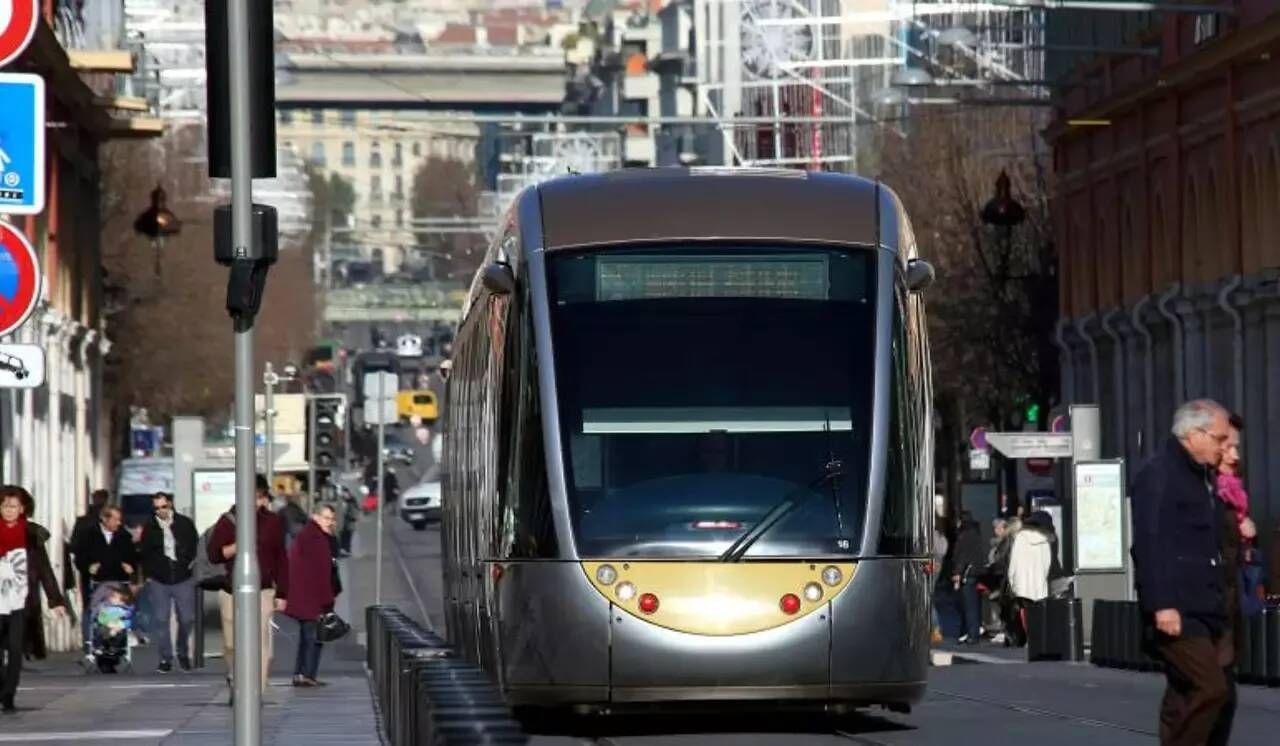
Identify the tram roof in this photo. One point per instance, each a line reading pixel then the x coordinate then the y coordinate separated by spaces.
pixel 673 204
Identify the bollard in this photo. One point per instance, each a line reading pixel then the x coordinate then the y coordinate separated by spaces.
pixel 1271 622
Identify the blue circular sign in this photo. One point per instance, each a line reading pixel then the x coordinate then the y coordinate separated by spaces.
pixel 19 279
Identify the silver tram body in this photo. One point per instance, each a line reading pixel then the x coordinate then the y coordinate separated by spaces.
pixel 622 321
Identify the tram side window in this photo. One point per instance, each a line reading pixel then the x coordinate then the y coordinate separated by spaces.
pixel 899 531
pixel 528 528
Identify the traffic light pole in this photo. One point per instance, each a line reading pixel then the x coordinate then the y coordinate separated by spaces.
pixel 269 380
pixel 245 578
pixel 382 490
pixel 312 420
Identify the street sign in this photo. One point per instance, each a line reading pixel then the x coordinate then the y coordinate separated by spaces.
pixel 978 439
pixel 18 19
pixel 21 143
pixel 1032 445
pixel 979 460
pixel 384 412
pixel 21 366
pixel 19 279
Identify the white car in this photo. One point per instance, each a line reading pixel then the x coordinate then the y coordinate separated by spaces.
pixel 420 504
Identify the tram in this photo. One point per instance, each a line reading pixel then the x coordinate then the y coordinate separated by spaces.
pixel 689 453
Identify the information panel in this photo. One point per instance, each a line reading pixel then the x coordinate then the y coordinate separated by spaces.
pixel 1099 511
pixel 639 277
pixel 214 493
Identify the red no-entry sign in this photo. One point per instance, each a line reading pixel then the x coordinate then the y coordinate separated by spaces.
pixel 18 19
pixel 19 278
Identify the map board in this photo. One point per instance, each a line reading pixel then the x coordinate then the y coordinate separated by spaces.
pixel 1099 514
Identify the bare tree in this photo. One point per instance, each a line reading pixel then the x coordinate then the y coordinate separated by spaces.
pixel 996 302
pixel 444 188
pixel 172 337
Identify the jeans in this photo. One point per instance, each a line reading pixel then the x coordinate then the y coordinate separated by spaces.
pixel 11 636
pixel 166 599
pixel 972 609
pixel 86 617
pixel 308 663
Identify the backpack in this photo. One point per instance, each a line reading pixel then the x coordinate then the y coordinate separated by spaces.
pixel 210 576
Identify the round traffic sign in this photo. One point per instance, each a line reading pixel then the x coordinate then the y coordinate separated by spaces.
pixel 978 439
pixel 19 278
pixel 18 19
pixel 1059 424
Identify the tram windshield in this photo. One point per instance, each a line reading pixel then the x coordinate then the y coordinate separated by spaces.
pixel 700 386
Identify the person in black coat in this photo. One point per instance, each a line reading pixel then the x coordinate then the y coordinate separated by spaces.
pixel 167 550
pixel 968 560
pixel 1178 568
pixel 107 553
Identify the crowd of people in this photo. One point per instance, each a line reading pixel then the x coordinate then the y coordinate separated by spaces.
pixel 157 564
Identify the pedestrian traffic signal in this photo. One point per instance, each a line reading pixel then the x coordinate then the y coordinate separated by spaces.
pixel 325 440
pixel 1033 413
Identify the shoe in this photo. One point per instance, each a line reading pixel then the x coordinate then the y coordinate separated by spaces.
pixel 184 663
pixel 313 682
pixel 298 679
pixel 937 636
pixel 8 707
pixel 964 640
pixel 165 667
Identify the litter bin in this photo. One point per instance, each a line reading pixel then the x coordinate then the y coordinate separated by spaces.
pixel 1055 630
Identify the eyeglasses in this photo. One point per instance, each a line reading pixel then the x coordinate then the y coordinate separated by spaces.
pixel 1221 438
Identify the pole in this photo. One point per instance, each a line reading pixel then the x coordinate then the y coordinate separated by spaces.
pixel 245 578
pixel 311 450
pixel 269 379
pixel 381 410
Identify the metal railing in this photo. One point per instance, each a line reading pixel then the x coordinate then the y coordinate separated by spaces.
pixel 1121 640
pixel 427 695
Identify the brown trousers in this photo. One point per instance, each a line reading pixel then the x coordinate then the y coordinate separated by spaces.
pixel 1197 689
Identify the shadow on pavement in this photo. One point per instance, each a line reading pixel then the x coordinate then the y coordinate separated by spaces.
pixel 737 719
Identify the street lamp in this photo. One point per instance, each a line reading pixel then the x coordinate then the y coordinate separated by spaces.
pixel 156 222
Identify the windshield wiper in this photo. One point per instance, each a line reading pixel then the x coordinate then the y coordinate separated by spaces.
pixel 788 503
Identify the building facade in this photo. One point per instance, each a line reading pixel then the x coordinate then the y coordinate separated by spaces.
pixel 1167 214
pixel 54 440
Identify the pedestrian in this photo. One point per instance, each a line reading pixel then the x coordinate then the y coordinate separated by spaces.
pixel 293 516
pixel 940 551
pixel 272 572
pixel 1179 574
pixel 33 646
pixel 79 534
pixel 108 554
pixel 1030 562
pixel 167 550
pixel 993 577
pixel 311 589
pixel 967 563
pixel 22 558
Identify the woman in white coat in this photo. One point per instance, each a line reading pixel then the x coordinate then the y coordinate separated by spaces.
pixel 1030 561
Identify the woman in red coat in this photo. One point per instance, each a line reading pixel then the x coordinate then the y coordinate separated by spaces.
pixel 311 591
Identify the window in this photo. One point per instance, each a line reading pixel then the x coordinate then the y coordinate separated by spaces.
pixel 375 154
pixel 287 145
pixel 376 221
pixel 286 116
pixel 348 153
pixel 397 157
pixel 317 153
pixel 317 116
pixel 1206 27
pixel 417 149
pixel 399 192
pixel 399 218
pixel 375 188
pixel 348 118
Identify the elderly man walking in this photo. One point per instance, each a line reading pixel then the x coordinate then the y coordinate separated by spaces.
pixel 1179 574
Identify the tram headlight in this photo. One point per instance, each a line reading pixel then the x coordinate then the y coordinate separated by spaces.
pixel 813 593
pixel 606 575
pixel 626 591
pixel 831 575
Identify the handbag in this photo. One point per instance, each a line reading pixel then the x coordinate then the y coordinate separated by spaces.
pixel 330 627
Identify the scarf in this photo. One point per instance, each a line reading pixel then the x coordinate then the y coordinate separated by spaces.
pixel 13 566
pixel 1231 491
pixel 170 546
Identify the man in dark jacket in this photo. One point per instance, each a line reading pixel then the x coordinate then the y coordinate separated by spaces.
pixel 273 571
pixel 107 553
pixel 167 549
pixel 968 560
pixel 79 533
pixel 1178 564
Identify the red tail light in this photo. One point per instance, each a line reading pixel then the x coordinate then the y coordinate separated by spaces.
pixel 789 604
pixel 648 603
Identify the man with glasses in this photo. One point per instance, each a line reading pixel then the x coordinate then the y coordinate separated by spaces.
pixel 167 549
pixel 1179 574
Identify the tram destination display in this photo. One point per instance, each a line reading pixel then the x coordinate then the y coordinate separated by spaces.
pixel 644 277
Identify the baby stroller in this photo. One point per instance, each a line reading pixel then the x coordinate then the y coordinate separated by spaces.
pixel 111 606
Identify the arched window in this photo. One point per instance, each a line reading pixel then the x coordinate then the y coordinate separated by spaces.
pixel 1190 238
pixel 1213 257
pixel 1251 216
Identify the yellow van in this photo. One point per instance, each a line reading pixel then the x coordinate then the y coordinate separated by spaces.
pixel 420 402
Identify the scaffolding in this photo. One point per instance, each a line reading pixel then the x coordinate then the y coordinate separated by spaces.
pixel 834 59
pixel 545 155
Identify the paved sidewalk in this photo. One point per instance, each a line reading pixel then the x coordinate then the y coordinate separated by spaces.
pixel 61 704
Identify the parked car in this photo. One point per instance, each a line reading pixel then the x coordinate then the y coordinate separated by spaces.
pixel 420 504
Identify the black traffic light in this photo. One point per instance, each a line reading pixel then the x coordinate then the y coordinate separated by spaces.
pixel 326 441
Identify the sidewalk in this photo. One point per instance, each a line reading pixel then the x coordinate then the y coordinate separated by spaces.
pixel 60 704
